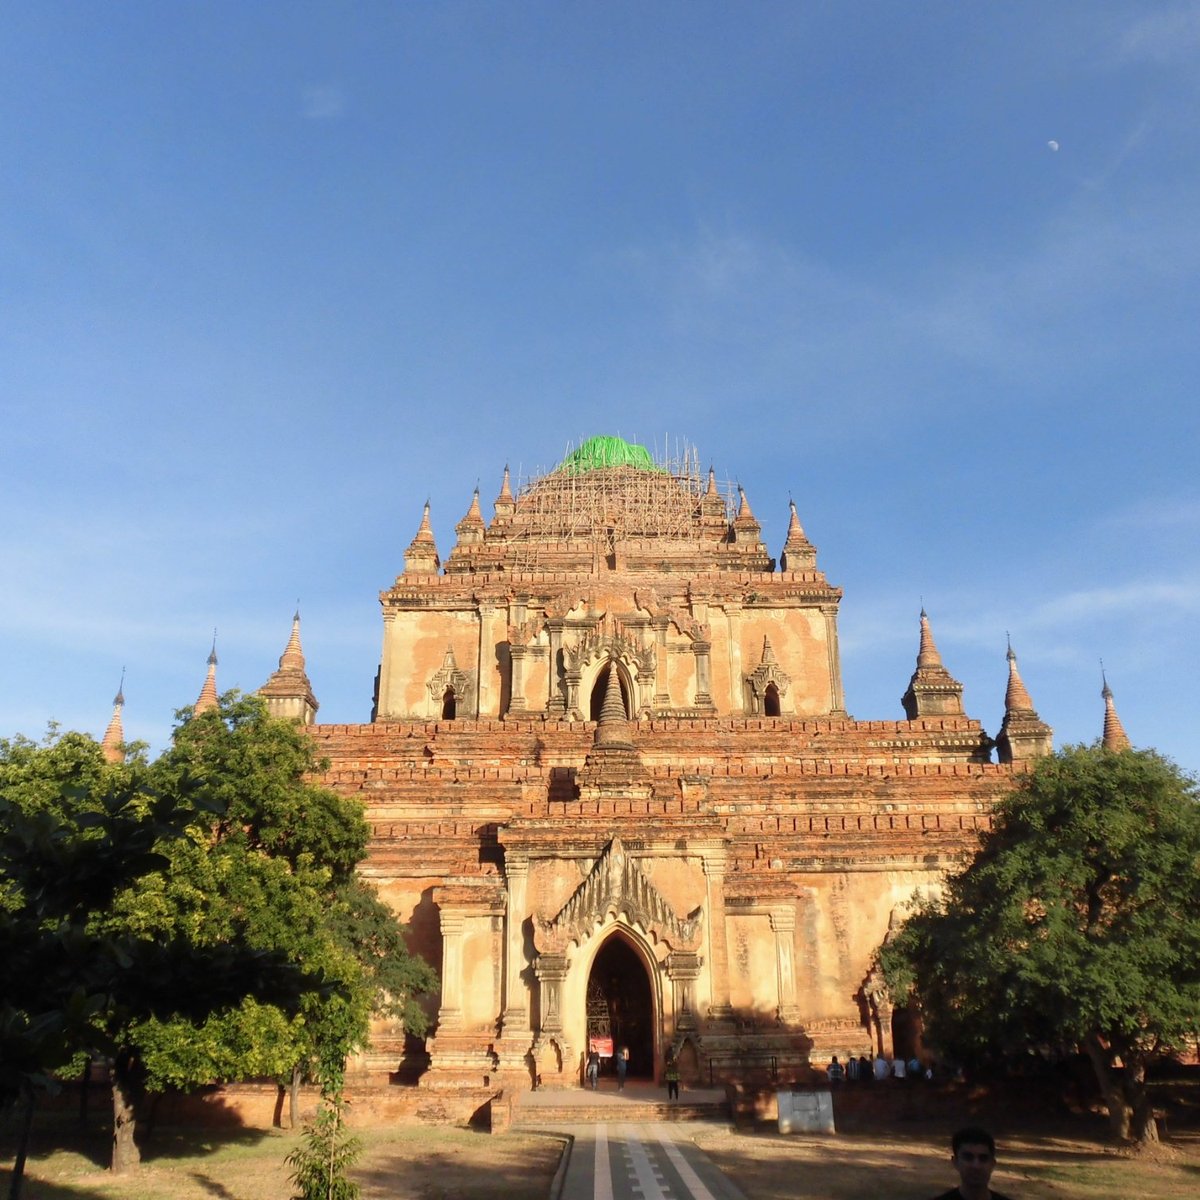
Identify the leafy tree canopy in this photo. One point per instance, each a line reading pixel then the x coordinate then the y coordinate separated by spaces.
pixel 1076 925
pixel 195 919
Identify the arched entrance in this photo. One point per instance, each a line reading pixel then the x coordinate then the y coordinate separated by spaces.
pixel 620 1005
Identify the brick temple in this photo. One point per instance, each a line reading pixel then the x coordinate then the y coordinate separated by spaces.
pixel 615 793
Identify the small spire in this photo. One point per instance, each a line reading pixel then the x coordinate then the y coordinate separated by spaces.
pixel 932 690
pixel 421 557
pixel 927 654
pixel 795 531
pixel 505 488
pixel 470 528
pixel 1114 738
pixel 1016 697
pixel 208 693
pixel 799 554
pixel 768 653
pixel 712 482
pixel 424 530
pixel 114 735
pixel 743 513
pixel 1023 735
pixel 288 692
pixel 292 657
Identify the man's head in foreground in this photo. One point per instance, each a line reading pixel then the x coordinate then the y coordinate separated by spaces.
pixel 974 1158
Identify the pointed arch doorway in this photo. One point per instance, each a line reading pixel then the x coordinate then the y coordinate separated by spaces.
pixel 620 1005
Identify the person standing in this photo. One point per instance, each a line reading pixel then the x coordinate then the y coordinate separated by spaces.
pixel 622 1066
pixel 593 1068
pixel 882 1070
pixel 672 1075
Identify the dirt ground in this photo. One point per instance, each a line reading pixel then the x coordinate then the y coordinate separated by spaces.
pixel 1040 1160
pixel 407 1163
pixel 914 1164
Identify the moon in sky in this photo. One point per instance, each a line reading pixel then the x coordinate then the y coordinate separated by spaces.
pixel 1052 144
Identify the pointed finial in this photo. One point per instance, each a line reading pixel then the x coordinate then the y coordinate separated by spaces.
pixel 1016 697
pixel 744 513
pixel 208 693
pixel 114 735
pixel 421 557
pixel 712 481
pixel 1114 737
pixel 928 654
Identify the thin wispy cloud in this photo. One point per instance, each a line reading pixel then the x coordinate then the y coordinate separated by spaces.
pixel 323 102
pixel 1162 37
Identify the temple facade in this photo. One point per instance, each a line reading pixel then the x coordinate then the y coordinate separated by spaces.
pixel 615 794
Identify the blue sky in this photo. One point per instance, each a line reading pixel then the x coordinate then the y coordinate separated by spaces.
pixel 272 274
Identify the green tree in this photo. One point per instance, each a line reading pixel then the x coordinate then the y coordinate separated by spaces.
pixel 75 834
pixel 185 918
pixel 1076 925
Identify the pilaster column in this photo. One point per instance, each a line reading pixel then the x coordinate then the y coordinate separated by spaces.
pixel 554 697
pixel 783 923
pixel 383 698
pixel 484 705
pixel 718 938
pixel 703 653
pixel 550 970
pixel 737 682
pixel 837 697
pixel 450 1013
pixel 683 969
pixel 516 694
pixel 516 1000
pixel 574 675
pixel 662 692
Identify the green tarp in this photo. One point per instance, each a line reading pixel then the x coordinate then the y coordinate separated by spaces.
pixel 599 452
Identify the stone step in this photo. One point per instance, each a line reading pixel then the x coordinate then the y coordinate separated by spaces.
pixel 526 1116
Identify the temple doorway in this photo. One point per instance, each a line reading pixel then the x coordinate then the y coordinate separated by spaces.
pixel 620 1007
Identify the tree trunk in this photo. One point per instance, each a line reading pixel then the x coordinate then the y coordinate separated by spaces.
pixel 125 1153
pixel 1119 1112
pixel 277 1115
pixel 294 1110
pixel 18 1171
pixel 84 1088
pixel 1145 1128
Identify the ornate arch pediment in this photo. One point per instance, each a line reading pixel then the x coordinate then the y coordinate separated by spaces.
pixel 609 638
pixel 767 672
pixel 616 885
pixel 448 675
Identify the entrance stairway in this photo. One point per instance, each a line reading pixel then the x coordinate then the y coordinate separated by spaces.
pixel 640 1102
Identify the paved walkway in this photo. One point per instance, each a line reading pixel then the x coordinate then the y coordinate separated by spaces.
pixel 651 1161
pixel 631 1161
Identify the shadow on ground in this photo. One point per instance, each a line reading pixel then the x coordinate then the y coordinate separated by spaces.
pixel 462 1165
